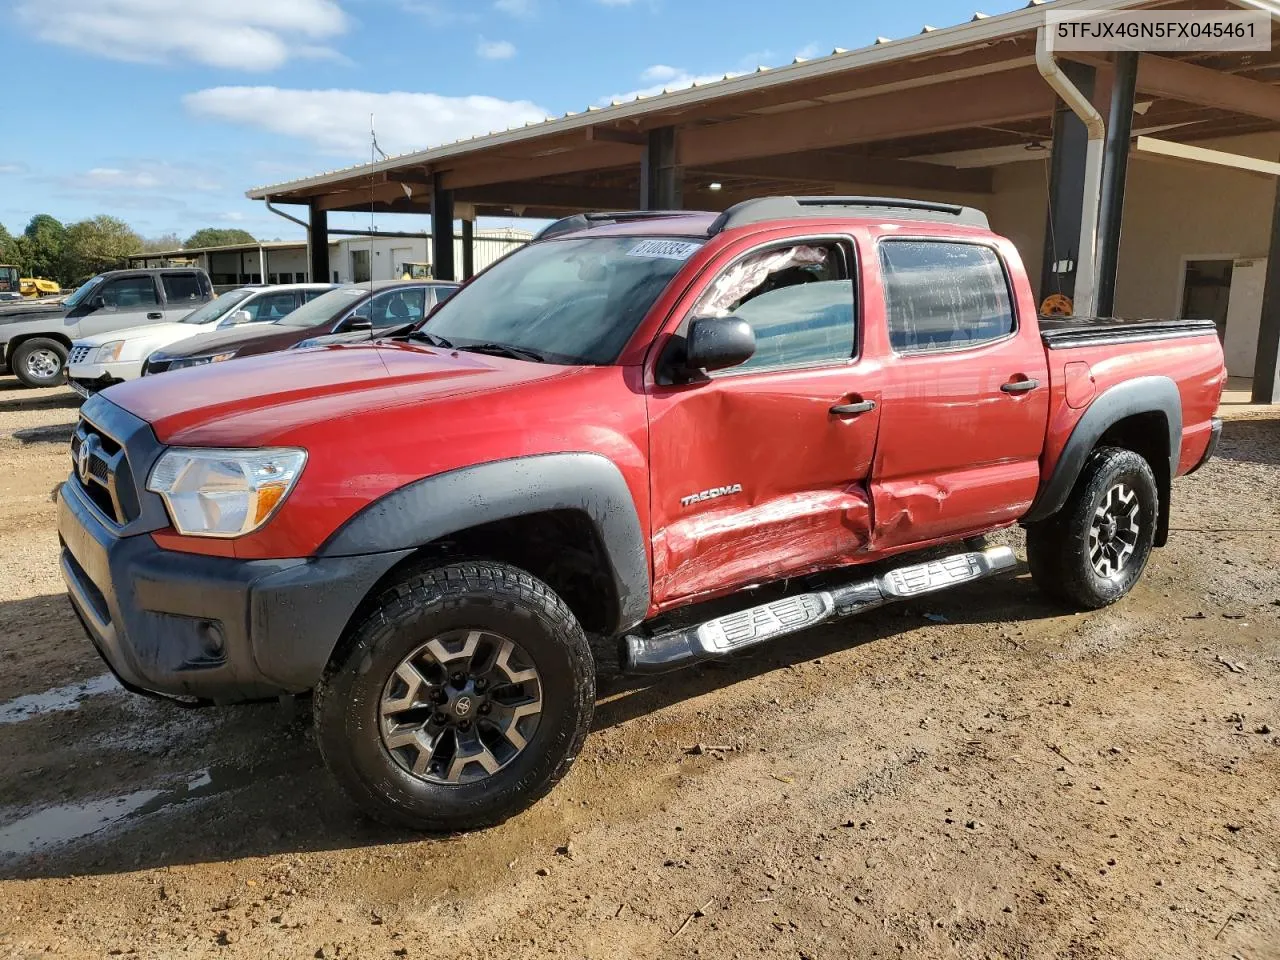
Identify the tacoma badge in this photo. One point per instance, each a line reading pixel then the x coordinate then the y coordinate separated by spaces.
pixel 712 494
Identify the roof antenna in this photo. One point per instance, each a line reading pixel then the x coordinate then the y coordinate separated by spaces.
pixel 374 152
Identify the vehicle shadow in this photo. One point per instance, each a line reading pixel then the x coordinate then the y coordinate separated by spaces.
pixel 1254 440
pixel 144 784
pixel 53 433
pixel 45 402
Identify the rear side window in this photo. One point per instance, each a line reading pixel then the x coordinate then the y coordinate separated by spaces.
pixel 272 306
pixel 182 287
pixel 944 296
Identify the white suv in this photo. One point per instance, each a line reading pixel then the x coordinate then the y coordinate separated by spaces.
pixel 99 361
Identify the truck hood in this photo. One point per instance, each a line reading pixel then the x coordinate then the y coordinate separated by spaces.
pixel 27 310
pixel 268 399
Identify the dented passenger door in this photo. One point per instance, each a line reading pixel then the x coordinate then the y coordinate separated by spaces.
pixel 761 470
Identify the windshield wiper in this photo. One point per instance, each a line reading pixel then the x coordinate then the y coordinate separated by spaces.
pixel 431 338
pixel 505 350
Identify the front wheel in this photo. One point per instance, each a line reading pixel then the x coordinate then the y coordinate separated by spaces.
pixel 1092 552
pixel 40 362
pixel 462 698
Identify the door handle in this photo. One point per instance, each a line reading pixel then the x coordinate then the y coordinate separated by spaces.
pixel 155 316
pixel 853 409
pixel 1020 386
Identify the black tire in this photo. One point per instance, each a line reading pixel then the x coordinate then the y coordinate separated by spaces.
pixel 27 361
pixel 462 596
pixel 1061 552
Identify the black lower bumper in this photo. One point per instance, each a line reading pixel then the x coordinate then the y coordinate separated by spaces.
pixel 201 628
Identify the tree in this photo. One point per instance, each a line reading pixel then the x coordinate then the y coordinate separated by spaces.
pixel 161 244
pixel 96 245
pixel 43 246
pixel 216 237
pixel 9 252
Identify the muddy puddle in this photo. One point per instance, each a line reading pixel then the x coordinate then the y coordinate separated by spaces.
pixel 57 700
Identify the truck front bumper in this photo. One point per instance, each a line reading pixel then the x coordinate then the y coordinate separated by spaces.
pixel 206 629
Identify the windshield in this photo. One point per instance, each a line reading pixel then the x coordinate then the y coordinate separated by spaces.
pixel 82 292
pixel 324 308
pixel 571 301
pixel 216 308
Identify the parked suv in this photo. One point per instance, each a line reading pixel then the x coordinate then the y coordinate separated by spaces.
pixel 99 361
pixel 365 311
pixel 37 337
pixel 638 442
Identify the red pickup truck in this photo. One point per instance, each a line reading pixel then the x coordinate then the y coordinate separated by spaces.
pixel 642 440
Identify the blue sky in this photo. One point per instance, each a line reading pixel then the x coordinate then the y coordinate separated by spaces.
pixel 163 112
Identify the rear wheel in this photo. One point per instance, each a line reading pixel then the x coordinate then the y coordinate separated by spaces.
pixel 40 362
pixel 459 701
pixel 1093 551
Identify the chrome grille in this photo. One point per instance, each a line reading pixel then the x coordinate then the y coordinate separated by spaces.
pixel 79 354
pixel 100 467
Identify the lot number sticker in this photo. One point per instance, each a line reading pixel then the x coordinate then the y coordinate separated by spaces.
pixel 664 249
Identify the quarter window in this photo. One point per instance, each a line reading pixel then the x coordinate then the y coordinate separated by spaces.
pixel 799 301
pixel 943 295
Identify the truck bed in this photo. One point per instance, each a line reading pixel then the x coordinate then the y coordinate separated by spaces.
pixel 1060 333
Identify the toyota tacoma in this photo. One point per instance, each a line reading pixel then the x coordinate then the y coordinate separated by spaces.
pixel 641 441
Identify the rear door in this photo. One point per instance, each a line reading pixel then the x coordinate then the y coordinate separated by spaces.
pixel 965 391
pixel 122 302
pixel 755 474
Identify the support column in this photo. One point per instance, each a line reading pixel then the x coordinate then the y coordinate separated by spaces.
pixel 318 240
pixel 1115 167
pixel 1066 189
pixel 1266 365
pixel 468 249
pixel 661 185
pixel 441 231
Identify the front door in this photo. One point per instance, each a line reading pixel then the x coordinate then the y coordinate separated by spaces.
pixel 119 303
pixel 756 471
pixel 965 393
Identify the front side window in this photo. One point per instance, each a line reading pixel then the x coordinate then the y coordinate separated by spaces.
pixel 394 308
pixel 129 292
pixel 181 288
pixel 942 295
pixel 799 301
pixel 573 301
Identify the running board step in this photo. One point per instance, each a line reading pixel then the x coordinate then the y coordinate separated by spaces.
pixel 660 652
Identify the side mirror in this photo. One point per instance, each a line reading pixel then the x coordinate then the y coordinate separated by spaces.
pixel 98 302
pixel 241 316
pixel 359 323
pixel 716 343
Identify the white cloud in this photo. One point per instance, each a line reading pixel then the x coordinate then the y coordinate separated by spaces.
pixel 232 34
pixel 811 50
pixel 12 169
pixel 660 78
pixel 337 121
pixel 615 3
pixel 495 49
pixel 524 9
pixel 141 176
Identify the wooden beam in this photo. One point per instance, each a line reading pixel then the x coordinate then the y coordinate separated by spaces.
pixel 990 99
pixel 1162 77
pixel 1187 154
pixel 614 135
pixel 360 196
pixel 413 175
pixel 829 168
pixel 578 159
pixel 530 193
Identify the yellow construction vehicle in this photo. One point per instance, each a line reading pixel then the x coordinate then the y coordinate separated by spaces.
pixel 33 287
pixel 410 270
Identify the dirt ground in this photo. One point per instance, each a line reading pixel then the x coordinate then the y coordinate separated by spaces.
pixel 978 776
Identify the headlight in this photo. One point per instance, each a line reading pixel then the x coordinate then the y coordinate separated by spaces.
pixel 110 352
pixel 201 361
pixel 224 493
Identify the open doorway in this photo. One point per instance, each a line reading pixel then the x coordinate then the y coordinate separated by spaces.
pixel 360 267
pixel 1206 292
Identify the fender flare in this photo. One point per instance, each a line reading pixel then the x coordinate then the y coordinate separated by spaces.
pixel 427 510
pixel 1140 395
